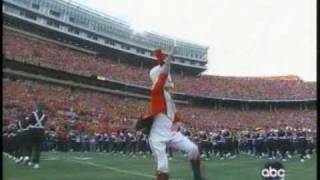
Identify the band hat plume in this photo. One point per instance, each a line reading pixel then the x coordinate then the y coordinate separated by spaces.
pixel 159 56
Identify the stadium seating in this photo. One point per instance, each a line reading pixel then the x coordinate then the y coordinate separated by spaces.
pixel 32 50
pixel 103 112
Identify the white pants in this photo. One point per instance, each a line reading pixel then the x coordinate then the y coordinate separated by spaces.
pixel 161 136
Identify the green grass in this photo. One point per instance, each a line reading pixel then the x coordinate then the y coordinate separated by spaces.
pixel 101 166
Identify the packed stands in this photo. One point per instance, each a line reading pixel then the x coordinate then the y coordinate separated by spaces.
pixel 102 112
pixel 22 47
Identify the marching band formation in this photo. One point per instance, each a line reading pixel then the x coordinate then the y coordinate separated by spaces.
pixel 282 144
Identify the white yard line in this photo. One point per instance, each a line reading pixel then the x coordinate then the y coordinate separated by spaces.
pixel 114 169
pixel 51 159
pixel 82 158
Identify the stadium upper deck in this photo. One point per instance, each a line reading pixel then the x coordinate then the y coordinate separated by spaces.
pixel 68 25
pixel 82 26
pixel 34 49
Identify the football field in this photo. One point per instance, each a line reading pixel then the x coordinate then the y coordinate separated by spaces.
pixel 103 166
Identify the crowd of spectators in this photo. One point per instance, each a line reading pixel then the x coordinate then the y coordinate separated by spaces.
pixel 66 106
pixel 32 50
pixel 70 108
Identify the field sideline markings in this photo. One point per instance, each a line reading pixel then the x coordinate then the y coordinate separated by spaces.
pixel 50 158
pixel 81 158
pixel 114 169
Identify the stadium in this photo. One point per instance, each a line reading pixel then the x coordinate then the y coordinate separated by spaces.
pixel 90 73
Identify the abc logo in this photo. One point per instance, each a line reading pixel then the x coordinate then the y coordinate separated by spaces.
pixel 273 170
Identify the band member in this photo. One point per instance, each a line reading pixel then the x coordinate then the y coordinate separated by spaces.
pixel 166 121
pixel 36 128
